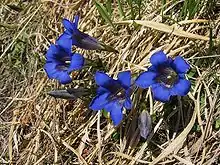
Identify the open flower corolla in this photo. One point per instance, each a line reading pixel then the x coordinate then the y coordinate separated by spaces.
pixel 113 95
pixel 59 63
pixel 166 77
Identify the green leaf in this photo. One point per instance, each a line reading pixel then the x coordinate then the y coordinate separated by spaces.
pixel 116 136
pixel 103 12
pixel 121 12
pixel 109 7
pixel 105 114
pixel 217 123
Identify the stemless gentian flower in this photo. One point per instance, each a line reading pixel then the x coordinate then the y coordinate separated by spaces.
pixel 59 63
pixel 166 77
pixel 73 36
pixel 113 95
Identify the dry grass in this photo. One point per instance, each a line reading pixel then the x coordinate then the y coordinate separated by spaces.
pixel 38 129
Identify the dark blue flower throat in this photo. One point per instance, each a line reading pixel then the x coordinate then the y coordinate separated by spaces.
pixel 166 76
pixel 64 66
pixel 118 94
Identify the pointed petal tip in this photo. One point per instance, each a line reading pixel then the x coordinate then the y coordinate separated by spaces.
pixel 77 62
pixel 99 102
pixel 180 65
pixel 125 79
pixel 161 93
pixel 158 58
pixel 103 80
pixel 146 79
pixel 68 25
pixel 115 110
pixel 181 88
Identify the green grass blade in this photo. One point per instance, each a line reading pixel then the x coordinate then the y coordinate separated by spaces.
pixel 121 12
pixel 109 7
pixel 163 8
pixel 103 12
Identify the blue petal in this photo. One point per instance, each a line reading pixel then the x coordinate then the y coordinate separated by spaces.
pixel 57 54
pixel 152 68
pixel 109 106
pixel 50 69
pixel 180 65
pixel 128 103
pixel 68 25
pixel 103 80
pixel 101 90
pixel 99 102
pixel 158 58
pixel 65 41
pixel 83 40
pixel 161 93
pixel 51 52
pixel 146 79
pixel 77 62
pixel 76 20
pixel 115 110
pixel 181 88
pixel 125 79
pixel 63 77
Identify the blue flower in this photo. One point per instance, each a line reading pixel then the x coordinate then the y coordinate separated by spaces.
pixel 166 77
pixel 113 95
pixel 73 36
pixel 59 63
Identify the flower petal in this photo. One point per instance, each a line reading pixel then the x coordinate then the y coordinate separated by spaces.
pixel 158 58
pixel 128 103
pixel 146 79
pixel 99 102
pixel 65 41
pixel 181 88
pixel 180 65
pixel 68 25
pixel 76 21
pixel 50 69
pixel 116 112
pixel 152 68
pixel 101 90
pixel 50 52
pixel 161 93
pixel 63 77
pixel 77 62
pixel 85 41
pixel 103 79
pixel 125 79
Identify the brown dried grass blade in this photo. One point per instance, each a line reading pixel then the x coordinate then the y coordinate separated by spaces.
pixel 173 29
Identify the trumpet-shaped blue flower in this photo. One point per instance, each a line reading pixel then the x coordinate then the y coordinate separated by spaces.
pixel 113 95
pixel 166 77
pixel 73 36
pixel 59 63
